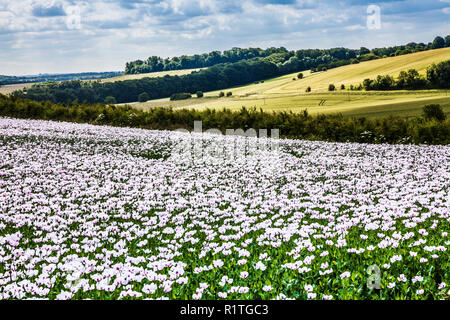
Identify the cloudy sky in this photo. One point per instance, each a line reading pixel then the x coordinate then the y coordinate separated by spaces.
pixel 60 36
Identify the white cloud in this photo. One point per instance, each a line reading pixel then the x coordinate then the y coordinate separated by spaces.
pixel 115 31
pixel 355 27
pixel 198 34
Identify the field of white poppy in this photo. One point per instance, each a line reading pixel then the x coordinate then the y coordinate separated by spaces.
pixel 110 213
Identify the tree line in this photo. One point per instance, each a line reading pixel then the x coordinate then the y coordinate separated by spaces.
pixel 293 60
pixel 432 128
pixel 338 57
pixel 437 77
pixel 156 64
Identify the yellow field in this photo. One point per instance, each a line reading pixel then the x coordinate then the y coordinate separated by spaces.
pixel 150 75
pixel 10 88
pixel 283 93
pixel 368 104
pixel 356 73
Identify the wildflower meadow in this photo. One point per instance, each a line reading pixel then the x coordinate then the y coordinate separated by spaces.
pixel 98 212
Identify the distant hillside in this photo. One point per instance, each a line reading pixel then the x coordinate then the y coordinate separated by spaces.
pixel 217 77
pixel 356 73
pixel 284 94
pixel 6 80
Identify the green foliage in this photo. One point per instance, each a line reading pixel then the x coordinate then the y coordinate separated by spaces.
pixel 438 77
pixel 221 94
pixel 300 75
pixel 380 83
pixel 367 84
pixel 434 111
pixel 286 61
pixel 363 51
pixel 438 43
pixel 229 94
pixel 331 87
pixel 143 97
pixel 368 57
pixel 410 80
pixel 342 86
pixel 308 89
pixel 156 64
pixel 199 94
pixel 110 100
pixel 180 96
pixel 291 125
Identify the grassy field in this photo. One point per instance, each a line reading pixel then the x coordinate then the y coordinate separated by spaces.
pixel 283 93
pixel 366 104
pixel 356 73
pixel 149 75
pixel 9 88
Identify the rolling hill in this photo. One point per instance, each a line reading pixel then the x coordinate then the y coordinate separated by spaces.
pixel 356 73
pixel 283 93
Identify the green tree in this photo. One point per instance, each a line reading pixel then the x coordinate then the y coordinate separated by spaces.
pixel 447 41
pixel 438 43
pixel 331 87
pixel 229 94
pixel 367 84
pixel 410 80
pixel 180 96
pixel 439 75
pixel 386 82
pixel 110 100
pixel 363 51
pixel 342 87
pixel 199 94
pixel 143 97
pixel 221 94
pixel 300 75
pixel 433 111
pixel 308 89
